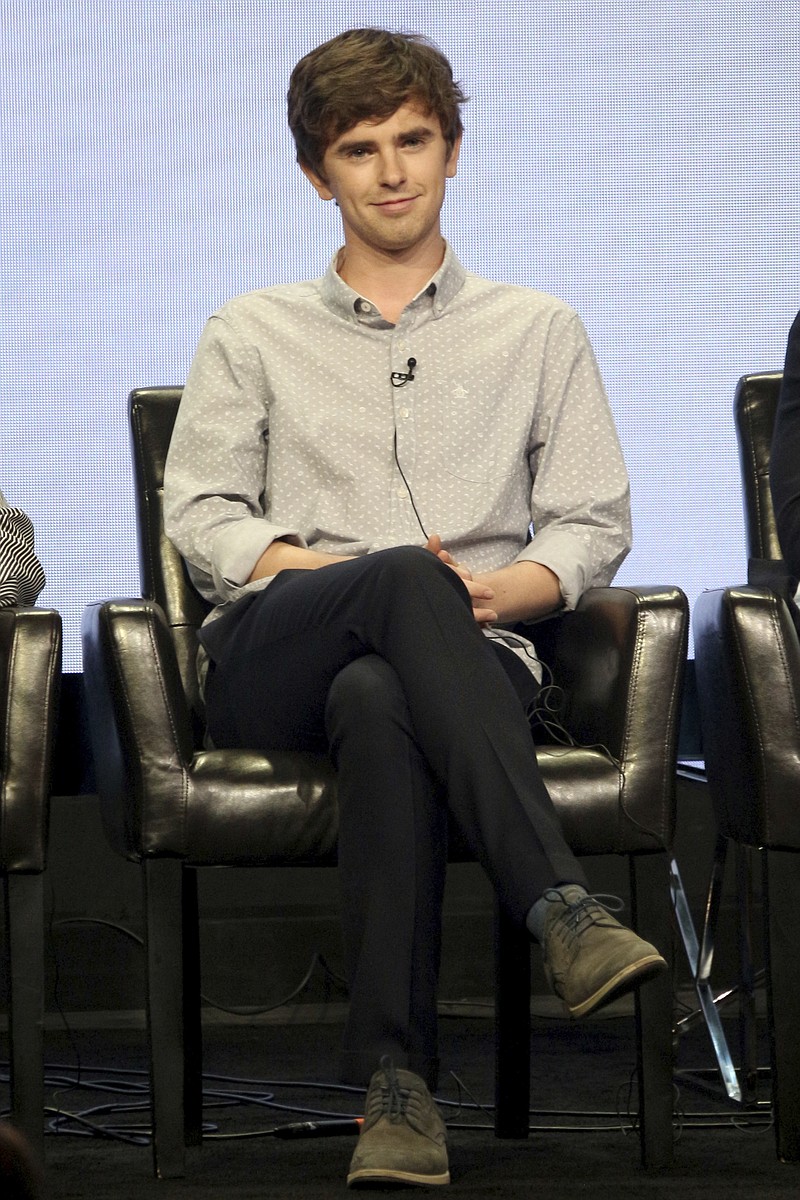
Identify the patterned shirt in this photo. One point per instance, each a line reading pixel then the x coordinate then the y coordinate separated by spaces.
pixel 21 574
pixel 291 426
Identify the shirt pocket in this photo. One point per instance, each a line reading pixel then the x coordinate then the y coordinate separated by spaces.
pixel 480 441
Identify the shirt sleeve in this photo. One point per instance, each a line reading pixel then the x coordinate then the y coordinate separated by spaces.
pixel 580 494
pixel 21 575
pixel 784 467
pixel 215 476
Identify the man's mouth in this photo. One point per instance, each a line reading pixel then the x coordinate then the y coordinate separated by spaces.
pixel 397 204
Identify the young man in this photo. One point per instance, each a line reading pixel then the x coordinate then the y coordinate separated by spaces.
pixel 354 470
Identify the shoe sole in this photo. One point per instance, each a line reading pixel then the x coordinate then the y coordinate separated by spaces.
pixel 368 1176
pixel 626 980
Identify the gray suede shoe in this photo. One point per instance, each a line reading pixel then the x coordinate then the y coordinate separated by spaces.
pixel 402 1140
pixel 589 958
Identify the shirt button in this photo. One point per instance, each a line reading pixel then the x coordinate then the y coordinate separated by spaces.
pixel 401 493
pixel 404 413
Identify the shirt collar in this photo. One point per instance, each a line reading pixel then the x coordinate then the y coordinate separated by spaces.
pixel 438 293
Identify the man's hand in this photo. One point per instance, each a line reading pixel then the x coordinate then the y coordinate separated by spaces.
pixel 522 591
pixel 480 593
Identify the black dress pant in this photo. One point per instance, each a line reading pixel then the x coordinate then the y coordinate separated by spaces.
pixel 379 661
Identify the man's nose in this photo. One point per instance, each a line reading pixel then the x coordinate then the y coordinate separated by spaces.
pixel 392 168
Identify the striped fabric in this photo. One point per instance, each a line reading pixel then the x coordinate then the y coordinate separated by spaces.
pixel 21 574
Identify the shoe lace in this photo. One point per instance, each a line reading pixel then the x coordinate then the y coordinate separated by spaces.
pixel 393 1098
pixel 586 910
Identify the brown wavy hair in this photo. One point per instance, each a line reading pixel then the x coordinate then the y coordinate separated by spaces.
pixel 365 73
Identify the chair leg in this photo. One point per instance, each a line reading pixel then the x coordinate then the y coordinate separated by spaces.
pixel 781 893
pixel 700 957
pixel 512 1028
pixel 192 1030
pixel 24 905
pixel 174 1047
pixel 650 901
pixel 748 976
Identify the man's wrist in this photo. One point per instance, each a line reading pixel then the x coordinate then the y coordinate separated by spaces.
pixel 524 590
pixel 281 555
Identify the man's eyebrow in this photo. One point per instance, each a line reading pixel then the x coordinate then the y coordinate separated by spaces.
pixel 419 131
pixel 422 132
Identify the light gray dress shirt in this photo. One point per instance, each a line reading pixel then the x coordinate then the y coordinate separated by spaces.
pixel 289 427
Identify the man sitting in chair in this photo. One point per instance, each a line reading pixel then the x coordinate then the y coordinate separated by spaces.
pixel 354 469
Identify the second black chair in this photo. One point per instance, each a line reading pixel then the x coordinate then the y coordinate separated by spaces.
pixel 747 658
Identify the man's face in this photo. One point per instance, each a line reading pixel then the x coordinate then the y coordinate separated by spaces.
pixel 388 178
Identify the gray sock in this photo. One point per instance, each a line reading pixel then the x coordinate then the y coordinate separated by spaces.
pixel 536 917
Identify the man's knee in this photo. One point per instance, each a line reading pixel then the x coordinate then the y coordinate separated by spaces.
pixel 402 567
pixel 364 692
pixel 407 559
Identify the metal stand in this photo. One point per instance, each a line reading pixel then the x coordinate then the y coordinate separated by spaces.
pixel 701 956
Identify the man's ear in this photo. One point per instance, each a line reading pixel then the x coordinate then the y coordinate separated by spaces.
pixel 317 182
pixel 452 158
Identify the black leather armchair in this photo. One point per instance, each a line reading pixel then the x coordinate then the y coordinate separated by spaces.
pixel 30 675
pixel 747 658
pixel 173 806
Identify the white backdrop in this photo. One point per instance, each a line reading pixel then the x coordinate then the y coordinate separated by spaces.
pixel 639 161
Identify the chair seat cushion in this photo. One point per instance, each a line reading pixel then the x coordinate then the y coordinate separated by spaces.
pixel 242 808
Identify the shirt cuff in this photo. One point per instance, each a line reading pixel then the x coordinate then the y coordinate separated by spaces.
pixel 239 547
pixel 564 555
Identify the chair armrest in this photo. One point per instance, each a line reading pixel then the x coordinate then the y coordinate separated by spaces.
pixel 618 663
pixel 30 678
pixel 620 659
pixel 141 726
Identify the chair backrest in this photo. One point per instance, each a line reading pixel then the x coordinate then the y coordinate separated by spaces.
pixel 755 405
pixel 164 578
